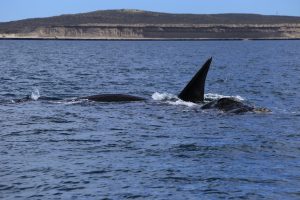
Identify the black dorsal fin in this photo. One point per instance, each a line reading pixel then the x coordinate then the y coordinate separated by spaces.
pixel 194 90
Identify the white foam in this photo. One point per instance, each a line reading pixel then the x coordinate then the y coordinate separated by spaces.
pixel 171 99
pixel 163 96
pixel 70 101
pixel 213 96
pixel 183 103
pixel 35 94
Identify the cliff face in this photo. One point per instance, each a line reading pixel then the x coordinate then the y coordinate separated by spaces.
pixel 162 32
pixel 91 26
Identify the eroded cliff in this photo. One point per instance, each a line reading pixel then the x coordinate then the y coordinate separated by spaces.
pixel 132 24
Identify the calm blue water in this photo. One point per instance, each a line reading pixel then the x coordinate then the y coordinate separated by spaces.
pixel 155 149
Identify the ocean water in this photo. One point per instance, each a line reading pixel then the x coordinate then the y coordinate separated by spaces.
pixel 162 148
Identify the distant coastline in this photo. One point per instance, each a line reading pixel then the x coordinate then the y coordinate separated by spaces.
pixel 144 25
pixel 149 39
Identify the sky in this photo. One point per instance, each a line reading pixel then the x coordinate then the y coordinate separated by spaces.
pixel 21 9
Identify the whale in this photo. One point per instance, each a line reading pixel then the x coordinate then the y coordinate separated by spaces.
pixel 193 92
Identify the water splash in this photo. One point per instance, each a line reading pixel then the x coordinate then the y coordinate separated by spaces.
pixel 183 103
pixel 171 99
pixel 163 96
pixel 35 94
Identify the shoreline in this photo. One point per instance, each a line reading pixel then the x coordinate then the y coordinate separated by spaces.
pixel 146 39
pixel 130 25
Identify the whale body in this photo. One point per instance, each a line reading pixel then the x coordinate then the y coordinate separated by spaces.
pixel 228 105
pixel 194 92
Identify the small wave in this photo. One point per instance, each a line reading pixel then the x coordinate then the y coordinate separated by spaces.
pixel 212 96
pixel 35 94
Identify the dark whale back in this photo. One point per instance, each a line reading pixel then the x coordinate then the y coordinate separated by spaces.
pixel 230 105
pixel 194 90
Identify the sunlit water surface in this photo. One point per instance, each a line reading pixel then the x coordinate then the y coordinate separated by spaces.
pixel 158 149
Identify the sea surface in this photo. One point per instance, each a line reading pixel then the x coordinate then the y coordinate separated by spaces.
pixel 162 148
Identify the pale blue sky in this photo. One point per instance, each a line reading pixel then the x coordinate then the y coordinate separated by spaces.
pixel 21 9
